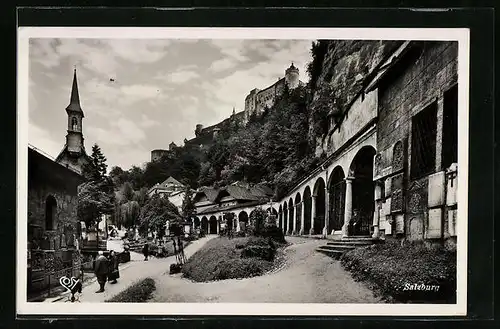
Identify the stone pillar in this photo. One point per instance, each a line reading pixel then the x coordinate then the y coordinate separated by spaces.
pixel 376 214
pixel 295 214
pixel 313 213
pixel 327 212
pixel 238 228
pixel 302 217
pixel 348 206
pixel 218 226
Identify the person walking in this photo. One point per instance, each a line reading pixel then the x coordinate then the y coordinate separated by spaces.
pixel 101 269
pixel 145 251
pixel 114 273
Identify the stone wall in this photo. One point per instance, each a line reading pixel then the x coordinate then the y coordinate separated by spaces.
pixel 47 178
pixel 420 77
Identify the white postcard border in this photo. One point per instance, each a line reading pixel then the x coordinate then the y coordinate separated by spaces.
pixel 288 309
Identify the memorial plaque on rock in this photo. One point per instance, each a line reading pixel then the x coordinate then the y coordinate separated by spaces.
pixel 416 228
pixel 378 165
pixel 398 156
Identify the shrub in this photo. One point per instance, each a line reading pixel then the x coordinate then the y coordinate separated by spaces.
pixel 262 252
pixel 257 220
pixel 139 292
pixel 236 258
pixel 390 268
pixel 240 234
pixel 273 232
pixel 175 268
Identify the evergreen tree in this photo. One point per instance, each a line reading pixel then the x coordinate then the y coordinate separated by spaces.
pixel 96 197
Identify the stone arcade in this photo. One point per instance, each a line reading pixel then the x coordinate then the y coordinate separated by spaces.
pixel 391 166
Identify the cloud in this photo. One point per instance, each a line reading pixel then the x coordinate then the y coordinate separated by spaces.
pixel 146 122
pixel 183 76
pixel 43 140
pixel 233 88
pixel 223 64
pixel 138 92
pixel 120 132
pixel 139 50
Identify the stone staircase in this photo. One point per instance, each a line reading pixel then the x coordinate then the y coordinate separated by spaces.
pixel 335 248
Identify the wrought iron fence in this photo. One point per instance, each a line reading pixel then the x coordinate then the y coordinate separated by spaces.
pixel 49 281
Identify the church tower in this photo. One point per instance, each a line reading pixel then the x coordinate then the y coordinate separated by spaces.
pixel 74 138
pixel 73 155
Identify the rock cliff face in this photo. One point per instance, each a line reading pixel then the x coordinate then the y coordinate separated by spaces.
pixel 346 66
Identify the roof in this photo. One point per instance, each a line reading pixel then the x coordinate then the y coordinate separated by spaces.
pixel 74 103
pixel 216 208
pixel 35 153
pixel 237 192
pixel 171 180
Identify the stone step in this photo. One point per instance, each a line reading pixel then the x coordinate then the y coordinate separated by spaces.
pixel 336 254
pixel 353 243
pixel 338 247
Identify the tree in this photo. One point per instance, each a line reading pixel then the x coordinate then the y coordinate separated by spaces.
pixel 257 220
pixel 154 215
pixel 187 204
pixel 96 196
pixel 141 196
pixel 130 213
pixel 96 168
pixel 94 200
pixel 127 192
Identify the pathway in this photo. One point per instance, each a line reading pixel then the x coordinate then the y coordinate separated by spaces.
pixel 306 277
pixel 133 271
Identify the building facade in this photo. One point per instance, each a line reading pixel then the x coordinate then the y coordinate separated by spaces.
pixel 172 189
pixel 53 230
pixel 238 199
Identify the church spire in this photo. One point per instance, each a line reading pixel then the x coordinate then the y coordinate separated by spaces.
pixel 74 103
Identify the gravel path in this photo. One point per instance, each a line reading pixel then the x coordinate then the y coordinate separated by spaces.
pixel 306 276
pixel 131 272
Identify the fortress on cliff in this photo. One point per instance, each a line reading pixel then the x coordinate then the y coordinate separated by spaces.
pixel 255 103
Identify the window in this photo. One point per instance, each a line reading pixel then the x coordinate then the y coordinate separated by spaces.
pixel 74 124
pixel 50 212
pixel 450 127
pixel 423 142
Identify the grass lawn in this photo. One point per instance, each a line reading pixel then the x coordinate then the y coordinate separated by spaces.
pixel 139 292
pixel 398 272
pixel 222 258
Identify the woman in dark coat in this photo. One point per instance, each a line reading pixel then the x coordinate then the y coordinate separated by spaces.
pixel 145 251
pixel 101 269
pixel 114 273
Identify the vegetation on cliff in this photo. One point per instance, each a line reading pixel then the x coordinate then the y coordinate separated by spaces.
pixel 274 147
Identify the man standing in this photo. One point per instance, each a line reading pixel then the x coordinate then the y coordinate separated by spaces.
pixel 101 270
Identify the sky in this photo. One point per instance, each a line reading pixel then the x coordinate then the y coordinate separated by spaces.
pixel 139 95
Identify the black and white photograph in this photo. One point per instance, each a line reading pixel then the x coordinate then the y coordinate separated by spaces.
pixel 242 171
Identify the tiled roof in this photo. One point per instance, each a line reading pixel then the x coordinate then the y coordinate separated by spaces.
pixel 237 192
pixel 171 180
pixel 236 206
